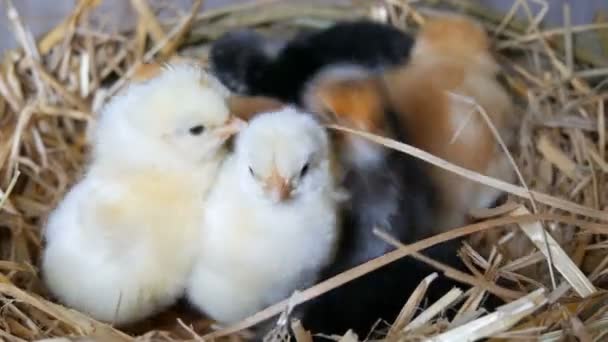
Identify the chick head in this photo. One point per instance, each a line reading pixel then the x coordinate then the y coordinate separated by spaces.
pixel 456 38
pixel 348 95
pixel 180 112
pixel 282 156
pixel 354 97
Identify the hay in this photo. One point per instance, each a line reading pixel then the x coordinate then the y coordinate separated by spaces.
pixel 51 90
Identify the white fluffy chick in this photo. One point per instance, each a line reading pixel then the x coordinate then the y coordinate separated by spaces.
pixel 271 220
pixel 120 245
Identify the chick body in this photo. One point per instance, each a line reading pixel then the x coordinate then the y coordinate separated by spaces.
pixel 251 64
pixel 392 192
pixel 451 69
pixel 257 248
pixel 413 104
pixel 121 265
pixel 375 299
pixel 431 99
pixel 120 244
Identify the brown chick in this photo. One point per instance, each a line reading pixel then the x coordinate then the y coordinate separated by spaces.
pixel 432 99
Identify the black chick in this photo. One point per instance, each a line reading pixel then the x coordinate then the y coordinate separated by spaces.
pixel 251 64
pixel 395 195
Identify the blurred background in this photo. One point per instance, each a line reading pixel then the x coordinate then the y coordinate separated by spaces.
pixel 42 15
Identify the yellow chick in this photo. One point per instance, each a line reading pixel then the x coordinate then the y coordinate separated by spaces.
pixel 270 222
pixel 119 247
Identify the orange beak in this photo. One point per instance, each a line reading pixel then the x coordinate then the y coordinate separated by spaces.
pixel 278 187
pixel 232 127
pixel 283 192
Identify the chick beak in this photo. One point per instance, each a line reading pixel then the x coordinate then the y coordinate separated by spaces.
pixel 232 127
pixel 278 187
pixel 283 192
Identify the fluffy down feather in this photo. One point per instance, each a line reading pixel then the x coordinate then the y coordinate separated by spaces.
pixel 120 245
pixel 451 67
pixel 413 104
pixel 270 222
pixel 251 64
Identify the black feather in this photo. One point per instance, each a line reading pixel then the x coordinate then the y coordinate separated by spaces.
pixel 396 196
pixel 378 296
pixel 241 59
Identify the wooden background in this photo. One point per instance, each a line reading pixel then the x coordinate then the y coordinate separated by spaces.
pixel 41 15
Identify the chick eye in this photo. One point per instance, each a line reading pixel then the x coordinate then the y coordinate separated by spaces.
pixel 304 170
pixel 251 171
pixel 197 130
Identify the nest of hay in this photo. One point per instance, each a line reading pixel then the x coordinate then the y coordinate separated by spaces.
pixel 546 245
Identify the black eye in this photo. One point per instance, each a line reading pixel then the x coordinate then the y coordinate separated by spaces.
pixel 197 130
pixel 251 171
pixel 304 170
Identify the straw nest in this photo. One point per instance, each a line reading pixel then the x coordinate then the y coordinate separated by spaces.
pixel 52 89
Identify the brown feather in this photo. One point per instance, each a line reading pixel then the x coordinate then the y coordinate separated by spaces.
pixel 247 107
pixel 451 56
pixel 146 72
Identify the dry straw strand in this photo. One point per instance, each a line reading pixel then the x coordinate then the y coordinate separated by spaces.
pixel 51 90
pixel 562 261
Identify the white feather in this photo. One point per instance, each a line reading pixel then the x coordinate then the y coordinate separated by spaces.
pixel 121 244
pixel 255 251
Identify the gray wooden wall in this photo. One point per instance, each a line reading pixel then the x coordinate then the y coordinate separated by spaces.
pixel 41 15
